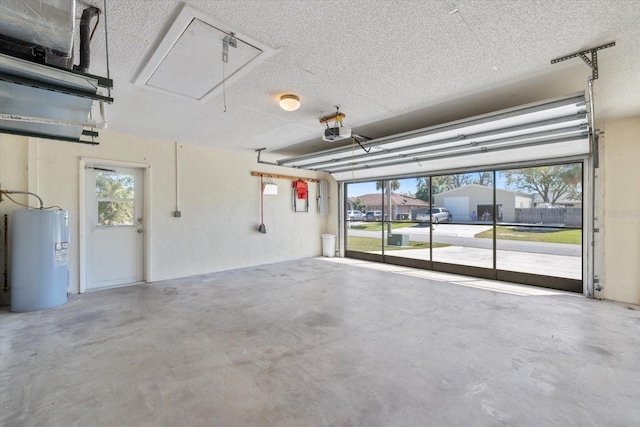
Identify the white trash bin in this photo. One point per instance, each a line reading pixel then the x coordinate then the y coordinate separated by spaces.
pixel 328 245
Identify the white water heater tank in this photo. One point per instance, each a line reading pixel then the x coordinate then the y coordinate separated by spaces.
pixel 39 250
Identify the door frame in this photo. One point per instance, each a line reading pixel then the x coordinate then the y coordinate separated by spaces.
pixel 82 214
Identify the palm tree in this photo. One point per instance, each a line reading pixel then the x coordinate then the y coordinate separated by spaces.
pixel 389 186
pixel 394 184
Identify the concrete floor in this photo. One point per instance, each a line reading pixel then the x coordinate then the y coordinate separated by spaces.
pixel 322 342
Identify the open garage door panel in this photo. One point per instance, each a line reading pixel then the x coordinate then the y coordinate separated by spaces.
pixel 462 198
pixel 552 129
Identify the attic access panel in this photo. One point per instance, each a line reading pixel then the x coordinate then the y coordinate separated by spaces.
pixel 188 61
pixel 551 129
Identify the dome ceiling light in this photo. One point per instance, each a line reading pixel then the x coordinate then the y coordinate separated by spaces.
pixel 289 102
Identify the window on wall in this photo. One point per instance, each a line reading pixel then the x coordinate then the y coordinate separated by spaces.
pixel 509 224
pixel 115 197
pixel 540 231
pixel 363 217
pixel 387 217
pixel 462 210
pixel 408 233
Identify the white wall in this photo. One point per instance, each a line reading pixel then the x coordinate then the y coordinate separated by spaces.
pixel 621 164
pixel 216 184
pixel 219 200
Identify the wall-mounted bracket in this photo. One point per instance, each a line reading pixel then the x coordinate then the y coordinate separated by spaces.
pixel 591 62
pixel 279 176
pixel 259 151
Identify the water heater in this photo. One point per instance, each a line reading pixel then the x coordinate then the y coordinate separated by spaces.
pixel 39 250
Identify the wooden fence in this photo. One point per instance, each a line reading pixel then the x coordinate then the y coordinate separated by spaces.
pixel 571 217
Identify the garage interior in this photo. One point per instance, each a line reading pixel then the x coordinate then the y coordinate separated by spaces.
pixel 196 152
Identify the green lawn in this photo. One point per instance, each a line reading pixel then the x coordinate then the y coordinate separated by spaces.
pixel 371 244
pixel 573 237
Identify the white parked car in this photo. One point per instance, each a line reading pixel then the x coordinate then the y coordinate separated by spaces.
pixel 437 215
pixel 374 216
pixel 355 215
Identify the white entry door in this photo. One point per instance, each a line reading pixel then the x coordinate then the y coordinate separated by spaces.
pixel 115 226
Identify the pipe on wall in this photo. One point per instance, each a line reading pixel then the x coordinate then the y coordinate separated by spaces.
pixel 5 192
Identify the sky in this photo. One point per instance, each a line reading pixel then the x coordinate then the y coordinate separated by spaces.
pixel 407 186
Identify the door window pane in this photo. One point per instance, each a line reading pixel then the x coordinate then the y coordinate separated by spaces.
pixel 115 195
pixel 113 185
pixel 115 213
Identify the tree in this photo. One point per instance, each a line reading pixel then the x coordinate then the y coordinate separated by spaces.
pixel 115 193
pixel 359 205
pixel 484 178
pixel 449 182
pixel 395 184
pixel 575 192
pixel 389 187
pixel 574 177
pixel 422 189
pixel 549 182
pixel 459 180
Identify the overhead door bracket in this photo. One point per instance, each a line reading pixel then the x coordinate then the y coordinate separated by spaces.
pixel 591 62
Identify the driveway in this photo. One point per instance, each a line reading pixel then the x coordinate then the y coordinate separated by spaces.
pixel 462 235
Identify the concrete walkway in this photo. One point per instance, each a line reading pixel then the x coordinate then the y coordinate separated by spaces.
pixel 550 259
pixel 545 264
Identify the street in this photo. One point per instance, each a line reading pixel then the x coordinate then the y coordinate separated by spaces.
pixel 462 235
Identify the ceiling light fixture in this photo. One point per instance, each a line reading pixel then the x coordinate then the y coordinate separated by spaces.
pixel 289 102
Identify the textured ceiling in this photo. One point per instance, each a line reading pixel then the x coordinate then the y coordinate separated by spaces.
pixel 392 66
